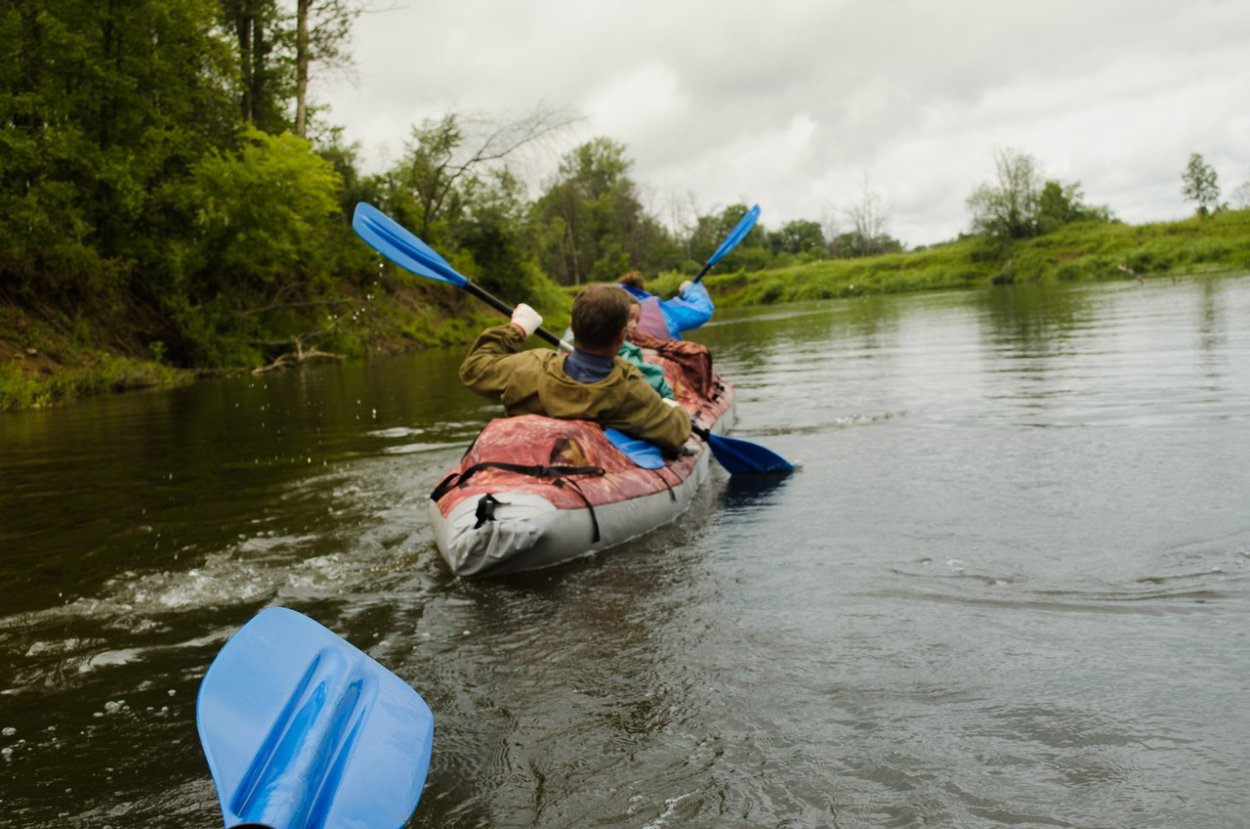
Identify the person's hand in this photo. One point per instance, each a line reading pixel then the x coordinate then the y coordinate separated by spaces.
pixel 526 318
pixel 668 401
pixel 681 289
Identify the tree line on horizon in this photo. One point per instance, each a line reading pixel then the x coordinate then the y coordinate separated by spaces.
pixel 162 172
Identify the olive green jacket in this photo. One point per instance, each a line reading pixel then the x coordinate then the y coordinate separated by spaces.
pixel 534 382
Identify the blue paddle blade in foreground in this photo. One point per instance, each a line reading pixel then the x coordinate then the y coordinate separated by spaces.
pixel 391 239
pixel 302 729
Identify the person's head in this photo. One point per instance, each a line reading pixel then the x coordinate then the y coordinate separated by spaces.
pixel 635 314
pixel 600 316
pixel 634 280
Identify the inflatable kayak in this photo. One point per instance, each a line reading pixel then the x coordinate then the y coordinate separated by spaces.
pixel 533 492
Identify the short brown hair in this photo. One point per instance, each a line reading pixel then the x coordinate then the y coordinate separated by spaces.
pixel 633 279
pixel 600 314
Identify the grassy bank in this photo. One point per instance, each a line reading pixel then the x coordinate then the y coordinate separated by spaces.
pixel 46 358
pixel 1077 253
pixel 50 356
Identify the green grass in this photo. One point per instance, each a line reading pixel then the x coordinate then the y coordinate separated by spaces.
pixel 25 384
pixel 1087 252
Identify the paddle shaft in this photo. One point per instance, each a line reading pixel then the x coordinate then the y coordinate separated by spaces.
pixel 506 309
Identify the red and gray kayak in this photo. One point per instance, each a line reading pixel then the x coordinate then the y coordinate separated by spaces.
pixel 534 492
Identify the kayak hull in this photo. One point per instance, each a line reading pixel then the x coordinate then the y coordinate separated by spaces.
pixel 534 492
pixel 530 533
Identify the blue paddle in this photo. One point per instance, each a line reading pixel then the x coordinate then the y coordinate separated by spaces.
pixel 393 241
pixel 742 457
pixel 643 453
pixel 741 229
pixel 304 731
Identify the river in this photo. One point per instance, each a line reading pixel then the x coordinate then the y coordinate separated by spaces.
pixel 1010 585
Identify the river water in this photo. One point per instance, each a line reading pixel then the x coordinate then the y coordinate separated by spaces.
pixel 1010 585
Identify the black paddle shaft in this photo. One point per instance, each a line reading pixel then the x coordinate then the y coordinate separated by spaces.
pixel 505 309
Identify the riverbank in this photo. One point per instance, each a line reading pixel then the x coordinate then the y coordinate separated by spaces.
pixel 51 357
pixel 1088 252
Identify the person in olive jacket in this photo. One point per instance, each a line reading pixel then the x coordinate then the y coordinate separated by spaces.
pixel 591 383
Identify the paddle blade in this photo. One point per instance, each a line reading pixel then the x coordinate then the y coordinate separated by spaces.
pixel 301 729
pixel 736 235
pixel 643 453
pixel 391 239
pixel 741 457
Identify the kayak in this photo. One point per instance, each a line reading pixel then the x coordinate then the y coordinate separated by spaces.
pixel 534 492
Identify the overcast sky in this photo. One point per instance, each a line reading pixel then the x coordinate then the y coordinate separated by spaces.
pixel 795 104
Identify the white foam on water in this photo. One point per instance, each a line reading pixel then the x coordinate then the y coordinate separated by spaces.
pixel 396 432
pixel 414 448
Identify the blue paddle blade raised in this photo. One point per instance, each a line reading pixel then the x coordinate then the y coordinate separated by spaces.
pixel 302 729
pixel 399 245
pixel 736 235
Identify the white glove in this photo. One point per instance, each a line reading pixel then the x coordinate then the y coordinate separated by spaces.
pixel 526 318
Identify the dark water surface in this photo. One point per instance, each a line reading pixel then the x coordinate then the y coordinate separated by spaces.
pixel 1010 586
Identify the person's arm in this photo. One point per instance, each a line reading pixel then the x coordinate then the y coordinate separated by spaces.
pixel 646 415
pixel 486 369
pixel 688 310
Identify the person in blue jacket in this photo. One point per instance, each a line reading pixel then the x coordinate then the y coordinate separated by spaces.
pixel 668 318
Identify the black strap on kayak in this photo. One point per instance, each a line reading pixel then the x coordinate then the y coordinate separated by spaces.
pixel 461 479
pixel 485 510
pixel 672 496
pixel 594 520
pixel 559 475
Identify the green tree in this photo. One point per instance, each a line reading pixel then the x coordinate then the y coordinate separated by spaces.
pixel 1007 208
pixel 1200 185
pixel 260 262
pixel 1061 204
pixel 446 158
pixel 851 244
pixel 594 224
pixel 798 236
pixel 496 233
pixel 103 106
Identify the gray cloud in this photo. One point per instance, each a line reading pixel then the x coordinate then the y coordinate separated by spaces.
pixel 794 103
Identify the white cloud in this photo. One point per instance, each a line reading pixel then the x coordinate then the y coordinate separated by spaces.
pixel 792 104
pixel 637 105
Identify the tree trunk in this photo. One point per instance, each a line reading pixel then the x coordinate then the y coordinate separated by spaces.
pixel 243 28
pixel 301 67
pixel 257 80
